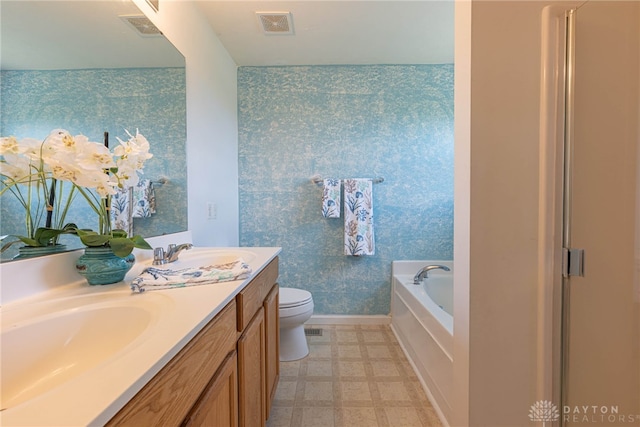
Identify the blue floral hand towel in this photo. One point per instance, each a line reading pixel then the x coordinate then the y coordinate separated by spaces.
pixel 153 278
pixel 358 217
pixel 331 198
pixel 144 198
pixel 132 202
pixel 121 212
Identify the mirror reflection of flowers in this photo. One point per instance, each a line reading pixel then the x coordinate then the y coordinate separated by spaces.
pixel 27 174
pixel 35 172
pixel 119 169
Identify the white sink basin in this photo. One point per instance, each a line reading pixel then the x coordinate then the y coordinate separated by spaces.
pixel 46 344
pixel 73 354
pixel 202 257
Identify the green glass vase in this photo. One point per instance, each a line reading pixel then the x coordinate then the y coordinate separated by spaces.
pixel 100 266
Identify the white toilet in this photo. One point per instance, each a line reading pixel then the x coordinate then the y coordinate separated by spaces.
pixel 295 307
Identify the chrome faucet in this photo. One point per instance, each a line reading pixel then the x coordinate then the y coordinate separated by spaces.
pixel 424 272
pixel 173 251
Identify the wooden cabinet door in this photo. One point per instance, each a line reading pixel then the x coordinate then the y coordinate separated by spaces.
pixel 251 378
pixel 272 340
pixel 167 399
pixel 218 405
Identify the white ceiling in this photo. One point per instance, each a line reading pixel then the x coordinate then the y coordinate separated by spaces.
pixel 67 34
pixel 337 31
pixel 77 34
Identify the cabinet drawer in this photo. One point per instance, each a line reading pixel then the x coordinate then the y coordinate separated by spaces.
pixel 251 298
pixel 168 397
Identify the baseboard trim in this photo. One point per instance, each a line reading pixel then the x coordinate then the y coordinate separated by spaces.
pixel 336 319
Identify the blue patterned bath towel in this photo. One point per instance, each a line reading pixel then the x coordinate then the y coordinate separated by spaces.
pixel 331 198
pixel 358 217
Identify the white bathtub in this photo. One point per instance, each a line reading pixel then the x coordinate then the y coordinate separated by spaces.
pixel 421 318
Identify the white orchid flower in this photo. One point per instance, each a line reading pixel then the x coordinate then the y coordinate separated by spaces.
pixel 20 162
pixel 94 171
pixel 9 144
pixel 16 169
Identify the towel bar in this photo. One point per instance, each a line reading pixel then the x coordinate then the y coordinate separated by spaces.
pixel 317 179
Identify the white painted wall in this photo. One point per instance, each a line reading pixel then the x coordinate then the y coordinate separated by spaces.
pixel 496 211
pixel 462 213
pixel 497 205
pixel 505 92
pixel 212 125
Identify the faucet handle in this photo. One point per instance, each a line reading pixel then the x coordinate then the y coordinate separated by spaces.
pixel 158 256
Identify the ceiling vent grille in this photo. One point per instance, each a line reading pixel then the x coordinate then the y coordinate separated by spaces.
pixel 142 25
pixel 275 22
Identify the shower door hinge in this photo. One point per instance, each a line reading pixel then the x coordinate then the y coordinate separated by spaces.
pixel 572 262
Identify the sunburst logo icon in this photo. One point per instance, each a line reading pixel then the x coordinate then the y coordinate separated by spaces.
pixel 544 410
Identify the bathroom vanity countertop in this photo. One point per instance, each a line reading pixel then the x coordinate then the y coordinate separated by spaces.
pixel 96 395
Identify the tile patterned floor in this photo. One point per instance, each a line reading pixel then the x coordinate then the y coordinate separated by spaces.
pixel 354 376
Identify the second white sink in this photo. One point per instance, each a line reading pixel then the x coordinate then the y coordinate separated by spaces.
pixel 39 353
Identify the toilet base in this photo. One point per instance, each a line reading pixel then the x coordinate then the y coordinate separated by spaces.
pixel 293 343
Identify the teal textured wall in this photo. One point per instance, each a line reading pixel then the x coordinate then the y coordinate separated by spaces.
pixel 393 121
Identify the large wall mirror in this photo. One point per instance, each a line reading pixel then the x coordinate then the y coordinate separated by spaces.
pixel 92 67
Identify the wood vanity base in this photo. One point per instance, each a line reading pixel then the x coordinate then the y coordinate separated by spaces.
pixel 226 375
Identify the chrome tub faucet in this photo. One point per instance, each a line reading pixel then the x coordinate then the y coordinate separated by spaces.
pixel 424 272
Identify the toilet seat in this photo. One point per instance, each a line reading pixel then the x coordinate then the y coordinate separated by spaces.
pixel 291 297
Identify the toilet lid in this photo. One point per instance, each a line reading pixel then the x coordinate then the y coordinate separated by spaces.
pixel 291 297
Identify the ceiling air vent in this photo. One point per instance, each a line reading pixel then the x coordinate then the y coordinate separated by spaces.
pixel 275 22
pixel 142 25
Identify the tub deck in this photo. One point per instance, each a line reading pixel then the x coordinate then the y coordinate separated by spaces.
pixel 425 332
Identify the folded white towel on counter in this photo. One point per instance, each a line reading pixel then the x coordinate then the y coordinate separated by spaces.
pixel 153 278
pixel 358 217
pixel 331 198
